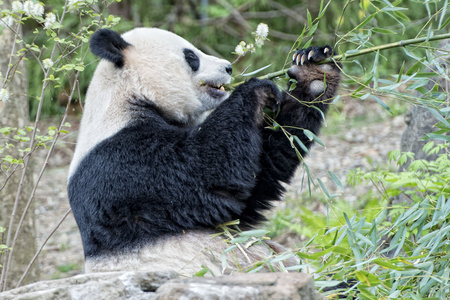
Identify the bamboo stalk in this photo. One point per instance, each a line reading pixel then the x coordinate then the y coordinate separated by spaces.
pixel 366 51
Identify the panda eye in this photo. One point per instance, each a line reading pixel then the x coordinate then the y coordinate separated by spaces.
pixel 192 59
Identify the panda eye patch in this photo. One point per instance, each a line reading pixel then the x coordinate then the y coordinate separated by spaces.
pixel 192 59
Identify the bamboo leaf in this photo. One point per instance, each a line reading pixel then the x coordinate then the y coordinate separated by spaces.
pixel 257 71
pixel 309 18
pixel 439 137
pixel 299 142
pixel 444 11
pixel 323 188
pixel 311 136
pixel 367 278
pixel 387 264
pixel 438 115
pixel 312 30
pixel 255 233
pixel 336 181
pixel 383 31
pixel 367 20
pixel 384 105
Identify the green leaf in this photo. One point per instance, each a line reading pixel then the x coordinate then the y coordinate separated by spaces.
pixel 383 31
pixel 309 18
pixel 281 257
pixel 336 181
pixel 202 272
pixel 336 99
pixel 232 247
pixel 322 11
pixel 255 233
pixel 239 240
pixel 375 69
pixel 79 68
pixel 362 86
pixel 367 20
pixel 444 10
pixel 414 68
pixel 438 115
pixel 384 105
pixel 312 137
pixel 444 25
pixel 312 30
pixel 257 71
pixel 324 188
pixel 367 278
pixel 299 142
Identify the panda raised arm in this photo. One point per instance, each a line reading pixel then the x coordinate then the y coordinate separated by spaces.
pixel 165 154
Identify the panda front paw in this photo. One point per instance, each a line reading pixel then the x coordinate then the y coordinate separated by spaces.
pixel 311 55
pixel 309 75
pixel 266 95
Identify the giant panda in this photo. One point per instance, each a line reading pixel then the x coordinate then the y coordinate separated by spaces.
pixel 165 154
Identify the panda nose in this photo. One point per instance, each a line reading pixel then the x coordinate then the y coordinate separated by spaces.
pixel 229 69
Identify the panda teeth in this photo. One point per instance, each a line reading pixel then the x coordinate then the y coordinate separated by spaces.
pixel 222 89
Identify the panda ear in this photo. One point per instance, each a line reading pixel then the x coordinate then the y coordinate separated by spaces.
pixel 109 45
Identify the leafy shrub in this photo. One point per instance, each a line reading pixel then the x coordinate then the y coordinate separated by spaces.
pixel 399 252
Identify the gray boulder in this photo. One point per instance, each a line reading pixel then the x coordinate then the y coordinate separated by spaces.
pixel 167 285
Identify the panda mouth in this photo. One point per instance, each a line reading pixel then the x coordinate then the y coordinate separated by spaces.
pixel 215 90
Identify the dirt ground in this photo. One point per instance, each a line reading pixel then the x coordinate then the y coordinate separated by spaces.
pixel 363 145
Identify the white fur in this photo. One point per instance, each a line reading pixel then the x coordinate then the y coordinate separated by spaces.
pixel 186 254
pixel 155 69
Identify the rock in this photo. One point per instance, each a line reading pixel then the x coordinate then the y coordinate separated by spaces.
pixel 167 285
pixel 420 120
pixel 280 286
pixel 98 286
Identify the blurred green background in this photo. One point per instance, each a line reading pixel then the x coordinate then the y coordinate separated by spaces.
pixel 216 27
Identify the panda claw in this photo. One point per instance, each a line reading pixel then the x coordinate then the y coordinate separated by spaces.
pixel 294 56
pixel 303 59
pixel 297 59
pixel 326 50
pixel 310 54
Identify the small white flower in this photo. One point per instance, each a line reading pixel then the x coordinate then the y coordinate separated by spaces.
pixel 8 21
pixel 262 31
pixel 17 6
pixel 28 7
pixel 50 19
pixel 48 63
pixel 259 42
pixel 33 9
pixel 240 48
pixel 38 10
pixel 251 48
pixel 74 3
pixel 4 95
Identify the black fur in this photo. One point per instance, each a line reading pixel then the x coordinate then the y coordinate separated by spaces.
pixel 192 59
pixel 109 45
pixel 154 178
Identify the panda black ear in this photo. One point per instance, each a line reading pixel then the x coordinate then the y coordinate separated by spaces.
pixel 108 44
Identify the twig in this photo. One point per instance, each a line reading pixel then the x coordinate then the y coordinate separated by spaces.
pixel 42 247
pixel 44 165
pixel 365 51
pixel 8 254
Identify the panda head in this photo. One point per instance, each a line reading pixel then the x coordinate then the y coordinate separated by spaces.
pixel 163 68
pixel 149 64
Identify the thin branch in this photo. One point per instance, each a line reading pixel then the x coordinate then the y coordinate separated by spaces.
pixel 8 254
pixel 343 57
pixel 44 165
pixel 42 247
